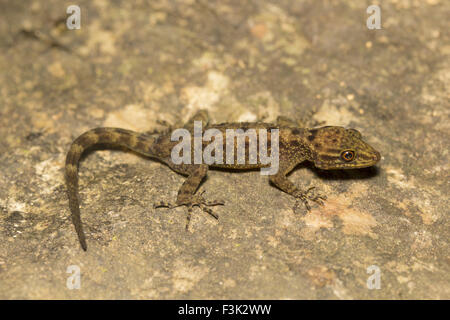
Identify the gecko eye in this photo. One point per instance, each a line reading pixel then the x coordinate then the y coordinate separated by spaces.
pixel 348 155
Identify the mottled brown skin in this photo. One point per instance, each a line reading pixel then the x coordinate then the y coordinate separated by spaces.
pixel 327 147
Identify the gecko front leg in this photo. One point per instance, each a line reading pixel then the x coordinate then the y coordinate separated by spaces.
pixel 186 194
pixel 282 182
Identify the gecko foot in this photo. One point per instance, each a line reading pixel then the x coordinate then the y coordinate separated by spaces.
pixel 195 200
pixel 306 196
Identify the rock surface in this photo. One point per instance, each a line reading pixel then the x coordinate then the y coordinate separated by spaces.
pixel 135 65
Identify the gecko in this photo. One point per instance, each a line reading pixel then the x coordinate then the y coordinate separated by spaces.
pixel 327 147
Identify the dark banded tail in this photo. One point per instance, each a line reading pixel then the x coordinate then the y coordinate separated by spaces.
pixel 137 142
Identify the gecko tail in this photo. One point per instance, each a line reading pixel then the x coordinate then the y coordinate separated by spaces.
pixel 72 191
pixel 112 136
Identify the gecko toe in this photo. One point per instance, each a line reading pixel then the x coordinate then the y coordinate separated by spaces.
pixel 319 199
pixel 163 204
pixel 190 203
pixel 210 212
pixel 299 203
pixel 214 203
pixel 306 196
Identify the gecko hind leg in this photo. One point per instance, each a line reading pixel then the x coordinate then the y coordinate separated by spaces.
pixel 197 201
pixel 186 194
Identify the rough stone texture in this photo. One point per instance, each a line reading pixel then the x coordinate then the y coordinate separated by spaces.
pixel 133 65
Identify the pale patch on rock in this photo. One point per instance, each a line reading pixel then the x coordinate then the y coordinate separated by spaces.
pixel 42 120
pixel 255 272
pixel 398 267
pixel 206 61
pixel 340 290
pixel 321 276
pixel 317 221
pixel 403 206
pixel 150 93
pixel 96 112
pixel 402 279
pixel 133 117
pixel 56 69
pixel 229 283
pixel 258 30
pixel 155 18
pixel 427 214
pixel 420 265
pixel 99 38
pixel 217 81
pixel 49 173
pixel 423 205
pixel 396 176
pixel 355 221
pixel 285 218
pixel 437 111
pixel 40 226
pixel 247 117
pixel 423 241
pixel 277 30
pixel 13 205
pixel 329 113
pixel 186 277
pixel 266 106
pixel 205 97
pixel 358 222
pixel 272 241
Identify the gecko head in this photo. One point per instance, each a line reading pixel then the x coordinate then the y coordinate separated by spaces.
pixel 340 148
